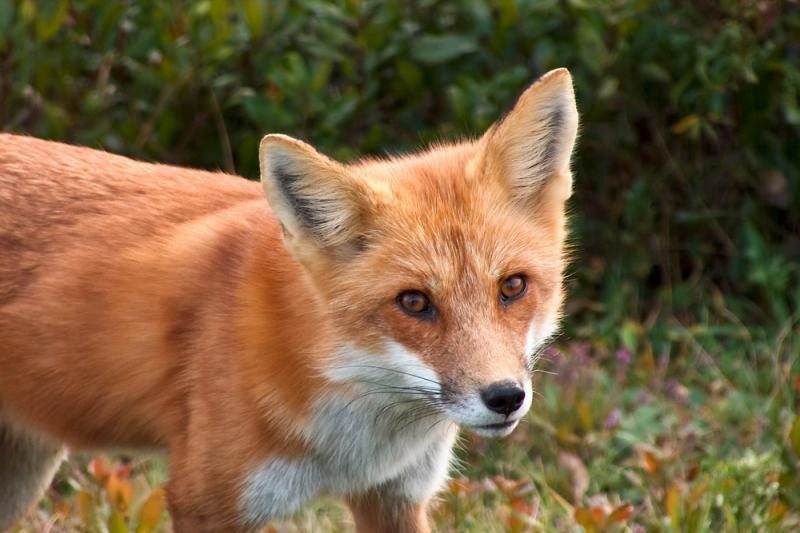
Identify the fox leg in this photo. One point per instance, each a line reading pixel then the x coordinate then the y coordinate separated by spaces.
pixel 27 465
pixel 401 504
pixel 201 497
pixel 377 512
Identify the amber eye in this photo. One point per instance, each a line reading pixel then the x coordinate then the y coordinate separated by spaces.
pixel 513 287
pixel 415 303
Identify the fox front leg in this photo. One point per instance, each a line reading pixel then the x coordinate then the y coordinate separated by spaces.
pixel 401 504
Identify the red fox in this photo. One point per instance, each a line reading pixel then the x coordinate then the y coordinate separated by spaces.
pixel 329 339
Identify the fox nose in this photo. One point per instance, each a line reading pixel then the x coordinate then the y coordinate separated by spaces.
pixel 504 397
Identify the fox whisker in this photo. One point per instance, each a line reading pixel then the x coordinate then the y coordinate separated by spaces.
pixel 388 369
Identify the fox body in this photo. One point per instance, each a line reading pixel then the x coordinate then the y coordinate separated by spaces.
pixel 329 339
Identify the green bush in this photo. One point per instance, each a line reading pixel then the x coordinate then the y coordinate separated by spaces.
pixel 687 170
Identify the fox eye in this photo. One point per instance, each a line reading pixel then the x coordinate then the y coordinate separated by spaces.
pixel 415 303
pixel 513 287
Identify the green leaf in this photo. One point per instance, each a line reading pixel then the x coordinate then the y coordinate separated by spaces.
pixel 50 19
pixel 630 334
pixel 27 10
pixel 116 523
pixel 255 17
pixel 591 46
pixel 434 49
pixel 409 73
pixel 7 13
pixel 794 436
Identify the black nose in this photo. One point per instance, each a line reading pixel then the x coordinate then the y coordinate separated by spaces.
pixel 504 397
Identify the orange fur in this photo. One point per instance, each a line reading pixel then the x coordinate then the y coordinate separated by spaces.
pixel 148 306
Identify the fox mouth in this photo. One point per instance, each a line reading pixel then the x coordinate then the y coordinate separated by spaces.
pixel 500 429
pixel 501 425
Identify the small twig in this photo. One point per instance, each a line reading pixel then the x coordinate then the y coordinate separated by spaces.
pixel 716 229
pixel 147 128
pixel 219 121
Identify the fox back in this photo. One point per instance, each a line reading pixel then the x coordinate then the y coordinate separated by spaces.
pixel 326 332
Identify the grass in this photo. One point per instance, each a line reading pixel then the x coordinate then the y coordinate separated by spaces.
pixel 656 427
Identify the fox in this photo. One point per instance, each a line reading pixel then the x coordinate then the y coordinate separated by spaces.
pixel 328 331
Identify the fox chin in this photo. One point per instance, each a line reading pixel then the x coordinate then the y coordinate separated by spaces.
pixel 326 332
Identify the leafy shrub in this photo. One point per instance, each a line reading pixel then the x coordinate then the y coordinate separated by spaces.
pixel 687 165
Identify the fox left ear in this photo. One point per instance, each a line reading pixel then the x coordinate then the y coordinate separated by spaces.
pixel 318 201
pixel 532 145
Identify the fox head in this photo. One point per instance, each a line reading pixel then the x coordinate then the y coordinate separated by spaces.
pixel 441 271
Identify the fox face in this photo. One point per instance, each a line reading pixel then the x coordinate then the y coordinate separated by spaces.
pixel 441 271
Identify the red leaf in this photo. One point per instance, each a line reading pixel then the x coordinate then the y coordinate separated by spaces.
pixel 692 473
pixel 621 513
pixel 598 514
pixel 124 471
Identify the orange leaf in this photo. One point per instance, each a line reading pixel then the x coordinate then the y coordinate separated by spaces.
pixel 119 493
pixel 522 510
pixel 673 504
pixel 151 510
pixel 598 515
pixel 98 468
pixel 650 463
pixel 62 507
pixel 621 513
pixel 696 494
pixel 585 415
pixel 459 486
pixel 684 124
pixel 524 506
pixel 583 516
pixel 515 525
pixel 86 507
pixel 507 486
pixel 777 511
pixel 591 518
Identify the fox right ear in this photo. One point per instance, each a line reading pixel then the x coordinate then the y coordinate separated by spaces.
pixel 531 147
pixel 315 198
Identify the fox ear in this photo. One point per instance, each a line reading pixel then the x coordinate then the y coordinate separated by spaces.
pixel 315 198
pixel 532 145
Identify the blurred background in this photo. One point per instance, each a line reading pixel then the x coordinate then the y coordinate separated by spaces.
pixel 670 402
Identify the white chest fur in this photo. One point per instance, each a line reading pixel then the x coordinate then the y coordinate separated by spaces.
pixel 384 433
pixel 374 440
pixel 357 445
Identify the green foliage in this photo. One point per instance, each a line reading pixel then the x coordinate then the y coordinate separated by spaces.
pixel 679 409
pixel 687 165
